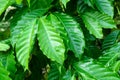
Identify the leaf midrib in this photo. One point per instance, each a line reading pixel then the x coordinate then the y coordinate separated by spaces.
pixel 69 36
pixel 49 40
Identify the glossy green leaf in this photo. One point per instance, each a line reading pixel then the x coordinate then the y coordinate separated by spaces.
pixel 116 66
pixel 50 41
pixel 14 27
pixel 104 20
pixel 60 29
pixel 110 40
pixel 4 4
pixel 89 3
pixel 25 43
pixel 75 35
pixel 8 61
pixel 17 16
pixel 24 34
pixel 54 73
pixel 95 21
pixel 41 4
pixel 19 27
pixel 105 6
pixel 110 56
pixel 81 6
pixel 4 74
pixel 4 47
pixel 6 41
pixel 64 2
pixel 68 75
pixel 94 71
pixel 92 25
pixel 19 1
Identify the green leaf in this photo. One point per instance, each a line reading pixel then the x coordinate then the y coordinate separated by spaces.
pixel 105 6
pixel 24 35
pixel 54 73
pixel 75 35
pixel 94 71
pixel 81 6
pixel 28 2
pixel 16 17
pixel 69 76
pixel 41 4
pixel 4 4
pixel 19 27
pixel 50 41
pixel 6 41
pixel 19 1
pixel 104 20
pixel 4 47
pixel 110 56
pixel 15 25
pixel 92 25
pixel 116 66
pixel 64 2
pixel 4 74
pixel 8 61
pixel 25 43
pixel 110 40
pixel 60 29
pixel 95 21
pixel 90 3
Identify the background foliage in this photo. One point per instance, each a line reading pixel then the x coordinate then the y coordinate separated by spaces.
pixel 59 39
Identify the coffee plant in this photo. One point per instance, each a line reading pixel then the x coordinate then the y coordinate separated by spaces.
pixel 59 39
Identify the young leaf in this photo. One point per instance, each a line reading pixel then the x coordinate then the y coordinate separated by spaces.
pixel 74 32
pixel 94 71
pixel 25 43
pixel 50 41
pixel 4 74
pixel 105 6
